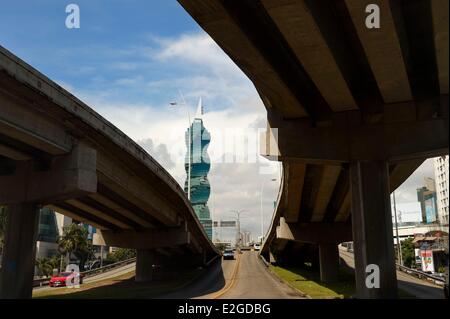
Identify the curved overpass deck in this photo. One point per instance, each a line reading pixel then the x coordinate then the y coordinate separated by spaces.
pixel 56 151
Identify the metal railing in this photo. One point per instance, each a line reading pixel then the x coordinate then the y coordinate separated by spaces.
pixel 422 275
pixel 440 281
pixel 89 273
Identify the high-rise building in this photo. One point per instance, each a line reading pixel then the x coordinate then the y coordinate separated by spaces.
pixel 197 141
pixel 246 238
pixel 441 179
pixel 426 195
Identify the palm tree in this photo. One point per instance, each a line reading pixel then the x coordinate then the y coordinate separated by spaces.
pixel 74 240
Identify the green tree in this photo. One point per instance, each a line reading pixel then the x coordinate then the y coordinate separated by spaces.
pixel 74 240
pixel 221 246
pixel 119 255
pixel 45 266
pixel 408 252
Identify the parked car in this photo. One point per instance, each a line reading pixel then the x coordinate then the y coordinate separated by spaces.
pixel 93 265
pixel 60 279
pixel 228 254
pixel 256 247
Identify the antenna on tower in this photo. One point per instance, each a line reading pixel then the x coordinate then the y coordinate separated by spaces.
pixel 199 113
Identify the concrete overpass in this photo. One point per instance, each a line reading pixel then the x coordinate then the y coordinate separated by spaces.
pixel 357 110
pixel 406 231
pixel 56 151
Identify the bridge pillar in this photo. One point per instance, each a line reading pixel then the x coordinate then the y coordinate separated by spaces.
pixel 372 229
pixel 19 252
pixel 145 258
pixel 329 262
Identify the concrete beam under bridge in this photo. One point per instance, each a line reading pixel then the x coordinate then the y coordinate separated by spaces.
pixel 68 176
pixel 144 240
pixel 314 232
pixel 403 132
pixel 326 235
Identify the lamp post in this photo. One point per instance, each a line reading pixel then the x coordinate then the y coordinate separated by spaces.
pixel 183 103
pixel 261 208
pixel 399 247
pixel 238 224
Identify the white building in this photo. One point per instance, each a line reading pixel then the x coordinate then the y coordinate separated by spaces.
pixel 441 180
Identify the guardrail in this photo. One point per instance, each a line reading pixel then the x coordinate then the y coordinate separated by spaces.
pixel 422 275
pixel 89 273
pixel 440 281
pixel 96 271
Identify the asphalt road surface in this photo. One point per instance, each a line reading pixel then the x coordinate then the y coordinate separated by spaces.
pixel 412 285
pixel 211 281
pixel 250 280
pixel 254 281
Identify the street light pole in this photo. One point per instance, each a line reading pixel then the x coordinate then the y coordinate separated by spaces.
pixel 399 249
pixel 238 222
pixel 261 208
pixel 189 143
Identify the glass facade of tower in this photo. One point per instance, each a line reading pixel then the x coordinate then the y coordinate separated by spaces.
pixel 48 229
pixel 200 165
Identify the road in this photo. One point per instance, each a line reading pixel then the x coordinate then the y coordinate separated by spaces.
pixel 250 280
pixel 412 285
pixel 254 281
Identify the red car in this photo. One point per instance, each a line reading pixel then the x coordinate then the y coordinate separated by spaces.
pixel 60 280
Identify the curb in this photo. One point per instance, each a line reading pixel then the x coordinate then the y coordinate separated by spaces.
pixel 267 264
pixel 231 282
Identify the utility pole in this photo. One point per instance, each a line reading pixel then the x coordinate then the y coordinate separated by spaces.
pixel 101 256
pixel 189 142
pixel 238 226
pixel 399 248
pixel 261 208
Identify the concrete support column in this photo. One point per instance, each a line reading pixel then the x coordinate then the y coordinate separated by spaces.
pixel 372 229
pixel 144 265
pixel 329 262
pixel 19 253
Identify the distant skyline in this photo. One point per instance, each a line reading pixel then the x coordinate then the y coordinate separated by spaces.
pixel 129 61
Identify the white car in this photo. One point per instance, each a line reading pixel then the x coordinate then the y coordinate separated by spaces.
pixel 256 247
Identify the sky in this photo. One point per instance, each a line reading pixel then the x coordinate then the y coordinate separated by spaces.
pixel 130 59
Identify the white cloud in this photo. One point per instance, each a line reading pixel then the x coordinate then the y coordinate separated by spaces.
pixel 198 49
pixel 406 193
pixel 158 152
pixel 160 128
pixel 231 101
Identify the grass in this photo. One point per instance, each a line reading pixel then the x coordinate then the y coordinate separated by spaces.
pixel 307 281
pixel 120 287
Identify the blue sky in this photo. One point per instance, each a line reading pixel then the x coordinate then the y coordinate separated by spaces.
pixel 129 60
pixel 112 47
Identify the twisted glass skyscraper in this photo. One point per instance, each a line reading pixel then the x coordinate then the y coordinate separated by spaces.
pixel 200 190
